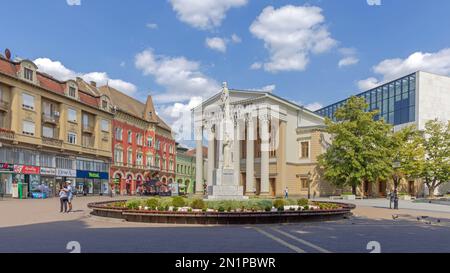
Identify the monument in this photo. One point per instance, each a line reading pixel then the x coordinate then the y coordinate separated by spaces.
pixel 226 185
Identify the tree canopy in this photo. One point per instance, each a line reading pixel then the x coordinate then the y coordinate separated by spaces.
pixel 360 149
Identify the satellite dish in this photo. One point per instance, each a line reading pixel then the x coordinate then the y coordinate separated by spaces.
pixel 7 54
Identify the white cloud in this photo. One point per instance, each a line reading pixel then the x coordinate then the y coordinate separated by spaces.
pixel 178 115
pixel 349 57
pixel 204 14
pixel 236 39
pixel 217 44
pixel 291 34
pixel 347 61
pixel 390 69
pixel 60 72
pixel 368 84
pixel 73 2
pixel 180 77
pixel 437 62
pixel 256 66
pixel 314 106
pixel 269 88
pixel 152 26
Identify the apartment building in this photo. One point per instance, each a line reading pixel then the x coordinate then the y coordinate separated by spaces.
pixel 51 131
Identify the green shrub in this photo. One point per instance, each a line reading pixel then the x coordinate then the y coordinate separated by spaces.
pixel 267 209
pixel 166 208
pixel 178 202
pixel 161 208
pixel 152 203
pixel 198 204
pixel 278 203
pixel 303 202
pixel 290 202
pixel 165 202
pixel 133 204
pixel 306 207
pixel 221 209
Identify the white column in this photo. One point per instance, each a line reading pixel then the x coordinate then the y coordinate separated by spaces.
pixel 211 156
pixel 250 167
pixel 237 154
pixel 264 126
pixel 199 161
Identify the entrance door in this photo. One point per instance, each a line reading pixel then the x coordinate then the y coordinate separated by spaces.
pixel 366 188
pixel 273 190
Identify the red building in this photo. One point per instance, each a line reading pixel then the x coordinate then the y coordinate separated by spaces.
pixel 134 140
pixel 165 153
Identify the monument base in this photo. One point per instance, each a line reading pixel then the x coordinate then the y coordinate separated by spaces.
pixel 226 188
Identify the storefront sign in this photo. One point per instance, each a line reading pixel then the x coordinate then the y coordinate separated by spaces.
pixel 27 169
pixel 66 173
pixel 92 175
pixel 5 167
pixel 48 171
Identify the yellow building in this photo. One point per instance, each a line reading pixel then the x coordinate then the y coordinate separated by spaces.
pixel 51 131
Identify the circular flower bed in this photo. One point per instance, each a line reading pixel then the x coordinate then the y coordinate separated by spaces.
pixel 197 211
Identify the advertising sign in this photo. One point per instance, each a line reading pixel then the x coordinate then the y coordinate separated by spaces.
pixel 48 171
pixel 27 169
pixel 66 173
pixel 92 175
pixel 5 167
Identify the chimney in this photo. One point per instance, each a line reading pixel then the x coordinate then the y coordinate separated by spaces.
pixel 94 84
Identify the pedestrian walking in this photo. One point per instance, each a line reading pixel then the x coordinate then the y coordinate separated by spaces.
pixel 69 195
pixel 286 193
pixel 63 199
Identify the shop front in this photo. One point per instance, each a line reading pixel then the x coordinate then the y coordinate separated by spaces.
pixel 28 181
pixel 92 183
pixel 6 179
pixel 63 175
pixel 48 182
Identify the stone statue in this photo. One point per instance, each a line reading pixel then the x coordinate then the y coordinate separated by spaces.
pixel 226 144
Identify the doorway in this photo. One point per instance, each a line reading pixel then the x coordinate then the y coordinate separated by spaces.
pixel 382 188
pixel 273 190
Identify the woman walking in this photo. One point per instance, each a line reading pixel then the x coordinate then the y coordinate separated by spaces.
pixel 63 198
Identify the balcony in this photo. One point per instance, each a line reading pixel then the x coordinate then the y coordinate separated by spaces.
pixel 50 118
pixel 88 128
pixel 7 134
pixel 4 106
pixel 52 141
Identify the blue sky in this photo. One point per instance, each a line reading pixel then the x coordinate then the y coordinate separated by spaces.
pixel 161 47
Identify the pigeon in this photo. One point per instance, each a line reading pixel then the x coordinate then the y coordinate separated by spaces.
pixel 394 217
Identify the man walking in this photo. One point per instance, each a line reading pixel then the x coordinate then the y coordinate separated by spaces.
pixel 69 194
pixel 63 198
pixel 286 193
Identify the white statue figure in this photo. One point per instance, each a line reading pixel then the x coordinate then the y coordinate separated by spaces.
pixel 226 144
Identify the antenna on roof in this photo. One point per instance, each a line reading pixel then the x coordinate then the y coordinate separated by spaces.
pixel 7 54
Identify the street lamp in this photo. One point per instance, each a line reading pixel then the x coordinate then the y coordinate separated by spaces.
pixel 309 185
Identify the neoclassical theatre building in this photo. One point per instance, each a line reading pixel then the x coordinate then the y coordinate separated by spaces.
pixel 275 144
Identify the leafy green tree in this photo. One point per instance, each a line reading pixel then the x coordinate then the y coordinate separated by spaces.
pixel 360 146
pixel 406 155
pixel 436 163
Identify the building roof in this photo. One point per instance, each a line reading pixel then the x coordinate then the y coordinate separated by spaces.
pixel 193 152
pixel 12 68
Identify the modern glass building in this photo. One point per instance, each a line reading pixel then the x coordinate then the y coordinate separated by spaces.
pixel 395 100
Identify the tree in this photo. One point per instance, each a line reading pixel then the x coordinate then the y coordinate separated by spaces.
pixel 360 146
pixel 436 163
pixel 406 155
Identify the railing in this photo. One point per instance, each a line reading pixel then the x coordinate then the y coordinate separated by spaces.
pixel 52 141
pixel 7 134
pixel 4 105
pixel 87 128
pixel 46 118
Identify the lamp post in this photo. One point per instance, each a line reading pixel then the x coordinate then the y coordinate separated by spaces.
pixel 309 185
pixel 396 166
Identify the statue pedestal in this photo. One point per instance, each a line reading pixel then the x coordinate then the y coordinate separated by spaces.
pixel 225 187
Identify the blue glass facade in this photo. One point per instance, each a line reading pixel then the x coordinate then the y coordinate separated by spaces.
pixel 395 101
